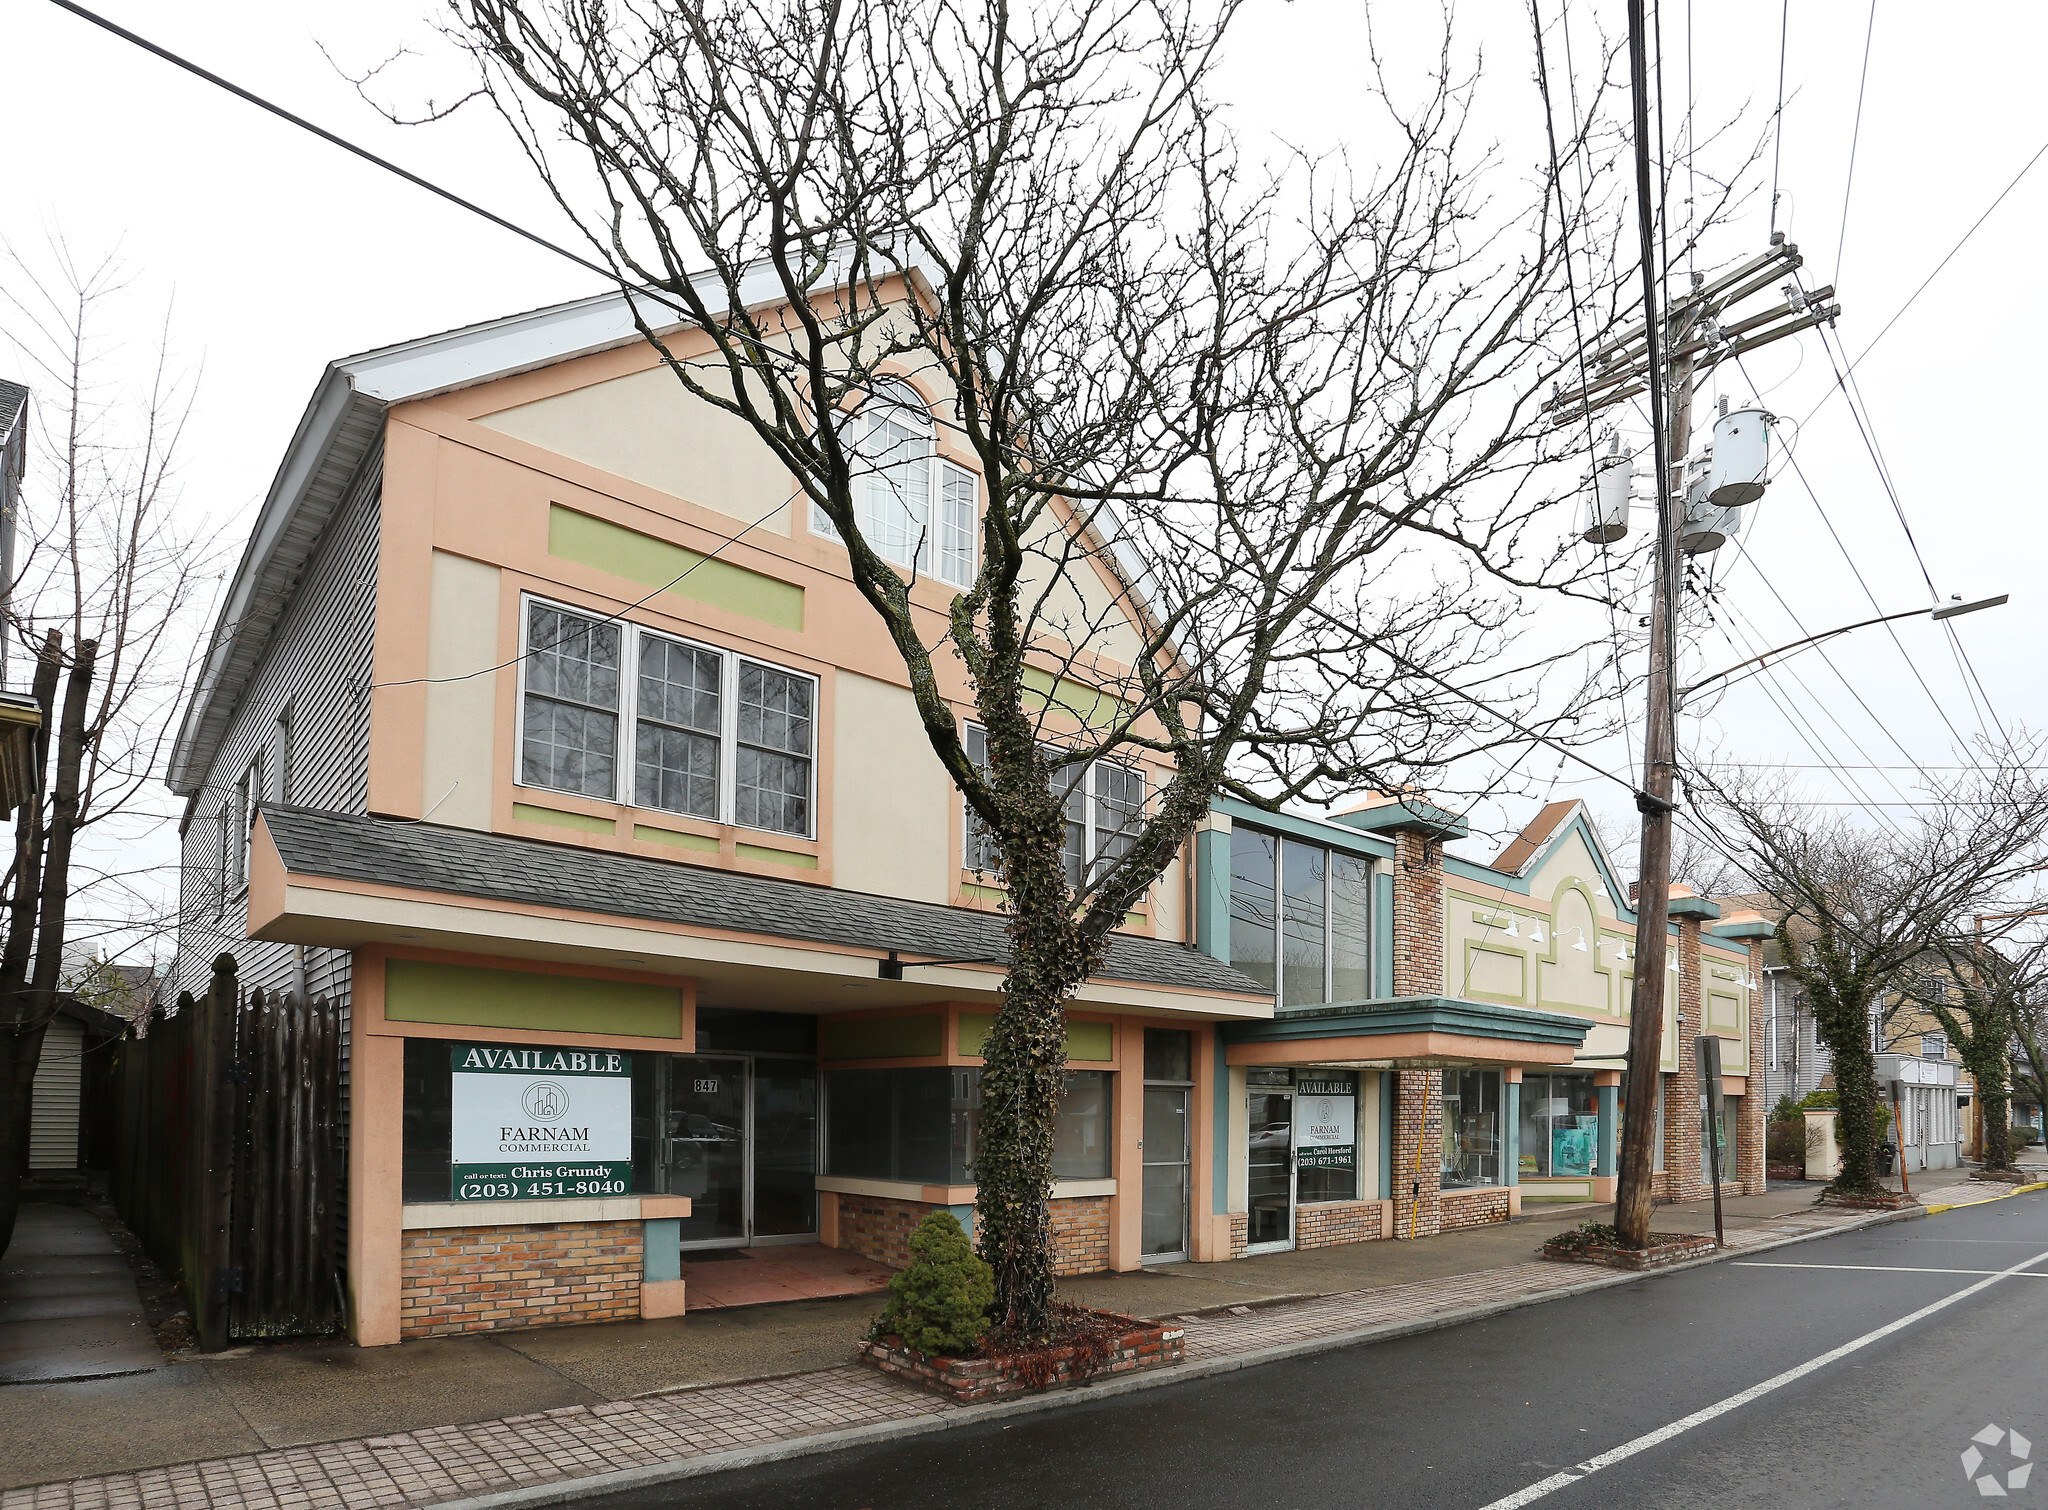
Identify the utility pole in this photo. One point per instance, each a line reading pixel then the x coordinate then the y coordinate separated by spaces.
pixel 1664 357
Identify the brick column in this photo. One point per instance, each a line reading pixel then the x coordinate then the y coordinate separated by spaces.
pixel 1682 1178
pixel 1418 913
pixel 1418 1153
pixel 1750 1156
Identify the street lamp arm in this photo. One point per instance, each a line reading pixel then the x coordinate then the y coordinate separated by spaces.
pixel 1948 612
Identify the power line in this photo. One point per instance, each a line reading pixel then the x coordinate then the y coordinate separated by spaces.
pixel 1855 138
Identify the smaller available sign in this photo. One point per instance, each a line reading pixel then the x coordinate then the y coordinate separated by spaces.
pixel 1325 1125
pixel 533 1123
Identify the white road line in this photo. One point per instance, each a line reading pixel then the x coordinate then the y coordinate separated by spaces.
pixel 1643 1443
pixel 1877 1268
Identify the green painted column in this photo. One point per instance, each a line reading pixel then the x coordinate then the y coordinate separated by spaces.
pixel 1511 1134
pixel 1212 894
pixel 661 1253
pixel 1610 1123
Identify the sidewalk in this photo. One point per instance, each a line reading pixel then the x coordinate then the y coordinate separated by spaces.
pixel 68 1306
pixel 430 1422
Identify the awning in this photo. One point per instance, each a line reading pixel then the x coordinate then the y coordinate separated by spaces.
pixel 1409 1032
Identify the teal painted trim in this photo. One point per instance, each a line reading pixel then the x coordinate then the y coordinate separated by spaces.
pixel 1383 933
pixel 661 1253
pixel 1413 1014
pixel 1505 881
pixel 1757 930
pixel 1386 1135
pixel 1396 817
pixel 1610 1103
pixel 1511 1155
pixel 1212 894
pixel 1692 907
pixel 1219 1190
pixel 1314 830
pixel 965 1216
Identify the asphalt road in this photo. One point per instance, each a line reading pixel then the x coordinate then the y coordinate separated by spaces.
pixel 1509 1411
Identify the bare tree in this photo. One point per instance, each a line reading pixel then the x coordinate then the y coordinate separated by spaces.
pixel 1992 1014
pixel 105 577
pixel 1289 416
pixel 1865 908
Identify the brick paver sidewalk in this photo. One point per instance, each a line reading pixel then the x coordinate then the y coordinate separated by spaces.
pixel 455 1462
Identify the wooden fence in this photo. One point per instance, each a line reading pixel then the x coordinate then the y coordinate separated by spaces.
pixel 227 1159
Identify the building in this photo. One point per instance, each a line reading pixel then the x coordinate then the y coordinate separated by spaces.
pixel 615 1000
pixel 68 1099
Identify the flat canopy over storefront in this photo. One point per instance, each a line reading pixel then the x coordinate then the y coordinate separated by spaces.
pixel 1409 1032
pixel 346 881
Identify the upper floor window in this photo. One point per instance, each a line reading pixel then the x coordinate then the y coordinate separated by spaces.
pixel 714 735
pixel 1300 918
pixel 1934 1045
pixel 1104 804
pixel 913 508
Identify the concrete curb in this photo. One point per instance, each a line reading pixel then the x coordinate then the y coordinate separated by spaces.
pixel 567 1491
pixel 2004 1195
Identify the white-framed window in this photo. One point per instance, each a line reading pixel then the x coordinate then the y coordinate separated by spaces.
pixel 913 507
pixel 714 734
pixel 1934 1045
pixel 1105 809
pixel 236 815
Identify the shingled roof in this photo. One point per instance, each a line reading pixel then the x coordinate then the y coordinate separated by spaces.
pixel 462 862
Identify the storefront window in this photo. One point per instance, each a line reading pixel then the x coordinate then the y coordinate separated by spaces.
pixel 1326 1136
pixel 924 1125
pixel 1560 1126
pixel 1471 1128
pixel 1253 915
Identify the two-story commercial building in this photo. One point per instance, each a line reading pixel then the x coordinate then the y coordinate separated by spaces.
pixel 540 729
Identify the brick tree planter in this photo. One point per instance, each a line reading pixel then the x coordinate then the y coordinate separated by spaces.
pixel 1891 1200
pixel 1666 1248
pixel 1785 1171
pixel 1140 1345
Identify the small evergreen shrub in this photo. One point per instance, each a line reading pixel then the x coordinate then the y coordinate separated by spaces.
pixel 2019 1135
pixel 940 1303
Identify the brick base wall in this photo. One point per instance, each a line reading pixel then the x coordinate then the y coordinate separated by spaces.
pixel 1080 1235
pixel 1474 1208
pixel 1326 1225
pixel 879 1226
pixel 1240 1233
pixel 489 1279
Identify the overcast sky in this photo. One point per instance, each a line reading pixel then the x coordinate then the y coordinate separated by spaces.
pixel 280 254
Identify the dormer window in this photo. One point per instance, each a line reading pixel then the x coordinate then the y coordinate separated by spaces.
pixel 913 508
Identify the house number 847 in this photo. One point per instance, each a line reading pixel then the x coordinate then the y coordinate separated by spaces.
pixel 708 1086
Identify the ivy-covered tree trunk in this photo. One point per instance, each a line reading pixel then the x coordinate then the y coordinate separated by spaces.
pixel 1840 995
pixel 1983 1033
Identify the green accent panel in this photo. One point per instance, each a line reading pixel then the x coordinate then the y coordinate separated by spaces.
pixel 554 817
pixel 994 894
pixel 769 856
pixel 1473 949
pixel 655 563
pixel 1087 1042
pixel 660 1256
pixel 647 835
pixel 1088 704
pixel 922 1037
pixel 464 995
pixel 1212 894
pixel 1134 920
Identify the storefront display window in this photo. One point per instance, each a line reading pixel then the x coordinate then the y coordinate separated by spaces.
pixel 924 1125
pixel 1560 1126
pixel 1471 1128
pixel 1326 1136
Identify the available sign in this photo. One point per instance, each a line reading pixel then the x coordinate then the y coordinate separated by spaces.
pixel 1325 1124
pixel 534 1123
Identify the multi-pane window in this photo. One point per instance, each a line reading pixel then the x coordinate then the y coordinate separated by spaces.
pixel 1300 918
pixel 1934 1045
pixel 714 735
pixel 1104 805
pixel 912 507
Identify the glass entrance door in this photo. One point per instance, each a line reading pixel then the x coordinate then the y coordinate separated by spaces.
pixel 785 1136
pixel 1165 1232
pixel 704 1145
pixel 1270 1182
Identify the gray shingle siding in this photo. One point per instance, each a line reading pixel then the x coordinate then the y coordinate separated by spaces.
pixel 318 666
pixel 461 862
